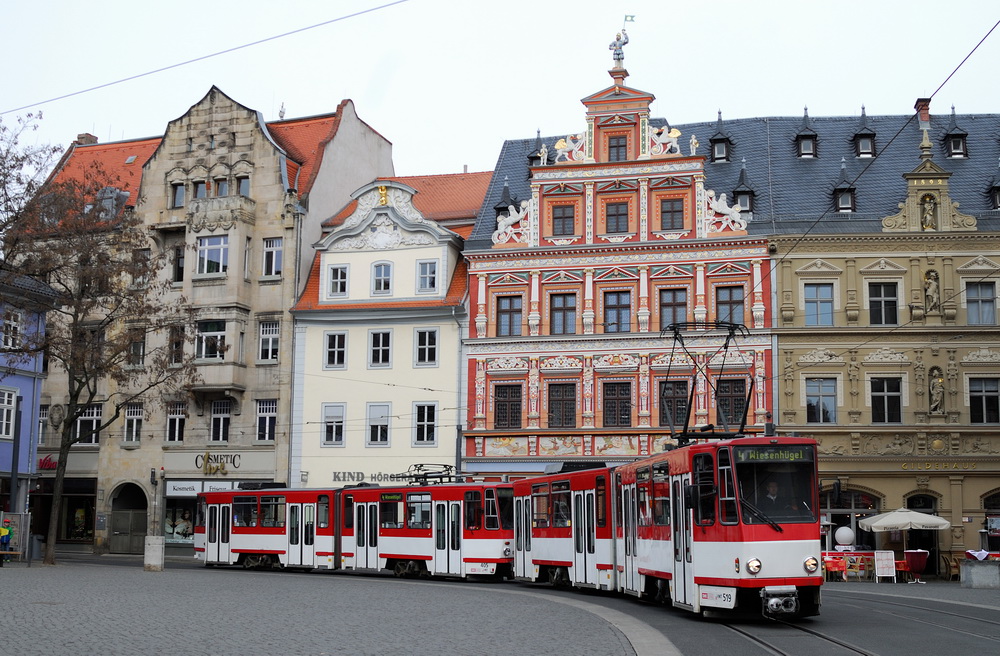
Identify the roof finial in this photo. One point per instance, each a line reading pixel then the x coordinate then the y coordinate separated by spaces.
pixel 281 112
pixel 926 146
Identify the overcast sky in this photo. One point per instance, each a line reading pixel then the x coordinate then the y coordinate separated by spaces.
pixel 447 82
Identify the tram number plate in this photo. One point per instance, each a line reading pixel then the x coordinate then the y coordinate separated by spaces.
pixel 718 597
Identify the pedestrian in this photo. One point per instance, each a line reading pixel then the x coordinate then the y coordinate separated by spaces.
pixel 6 533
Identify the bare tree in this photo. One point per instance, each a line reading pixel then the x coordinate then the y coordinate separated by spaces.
pixel 114 331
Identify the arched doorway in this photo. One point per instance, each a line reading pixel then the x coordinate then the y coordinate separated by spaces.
pixel 847 508
pixel 128 520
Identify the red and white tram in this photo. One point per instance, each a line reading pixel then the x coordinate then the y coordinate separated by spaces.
pixel 448 530
pixel 688 525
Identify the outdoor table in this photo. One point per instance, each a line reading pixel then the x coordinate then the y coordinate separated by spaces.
pixel 916 560
pixel 834 565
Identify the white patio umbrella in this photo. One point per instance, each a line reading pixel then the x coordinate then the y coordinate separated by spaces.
pixel 903 519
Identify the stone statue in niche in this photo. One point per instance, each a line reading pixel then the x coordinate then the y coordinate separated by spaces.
pixel 693 143
pixel 928 213
pixel 936 400
pixel 932 292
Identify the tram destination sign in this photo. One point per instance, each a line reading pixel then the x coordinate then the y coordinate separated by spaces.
pixel 792 453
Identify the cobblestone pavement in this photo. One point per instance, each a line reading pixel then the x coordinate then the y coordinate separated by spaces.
pixel 84 608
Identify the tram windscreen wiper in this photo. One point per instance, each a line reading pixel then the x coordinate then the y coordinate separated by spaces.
pixel 759 514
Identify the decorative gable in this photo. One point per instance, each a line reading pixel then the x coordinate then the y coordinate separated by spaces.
pixel 882 267
pixel 819 267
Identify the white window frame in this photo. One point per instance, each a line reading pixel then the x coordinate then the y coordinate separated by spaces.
pixel 133 423
pixel 985 394
pixel 381 279
pixel 269 336
pixel 837 396
pixel 898 282
pixel 340 349
pixel 343 282
pixel 904 392
pixel 866 146
pixel 273 254
pixel 333 423
pixel 425 355
pixel 137 352
pixel 832 285
pixel 267 420
pixel 383 348
pixel 91 416
pixel 421 425
pixel 222 418
pixel 43 424
pixel 427 276
pixel 8 409
pixel 176 420
pixel 210 342
pixel 378 415
pixel 216 246
pixel 980 302
pixel 845 200
pixel 12 322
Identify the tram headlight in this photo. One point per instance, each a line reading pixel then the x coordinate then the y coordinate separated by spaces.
pixel 753 566
pixel 811 564
pixel 736 564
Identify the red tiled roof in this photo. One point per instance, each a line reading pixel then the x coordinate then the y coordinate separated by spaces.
pixel 446 197
pixel 304 139
pixel 109 160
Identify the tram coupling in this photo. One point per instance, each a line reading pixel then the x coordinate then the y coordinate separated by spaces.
pixel 779 600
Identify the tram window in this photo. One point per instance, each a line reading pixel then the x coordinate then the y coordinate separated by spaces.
pixel 642 494
pixel 389 514
pixel 661 494
pixel 492 515
pixel 704 489
pixel 323 511
pixel 561 504
pixel 245 511
pixel 790 473
pixel 310 525
pixel 540 505
pixel 213 514
pixel 520 530
pixel 727 490
pixel 348 511
pixel 199 513
pixel 618 506
pixel 601 498
pixel 473 509
pixel 505 503
pixel 272 511
pixel 418 510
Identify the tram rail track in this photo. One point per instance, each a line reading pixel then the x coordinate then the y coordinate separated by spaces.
pixel 773 648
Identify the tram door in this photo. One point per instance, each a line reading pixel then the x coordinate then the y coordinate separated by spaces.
pixel 585 538
pixel 630 521
pixel 301 534
pixel 366 536
pixel 448 537
pixel 217 532
pixel 522 539
pixel 683 579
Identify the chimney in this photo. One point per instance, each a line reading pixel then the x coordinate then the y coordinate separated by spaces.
pixel 85 139
pixel 923 107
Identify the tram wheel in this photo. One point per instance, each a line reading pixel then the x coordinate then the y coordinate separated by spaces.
pixel 251 562
pixel 399 569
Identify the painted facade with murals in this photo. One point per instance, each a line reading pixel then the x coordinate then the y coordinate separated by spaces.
pixel 606 280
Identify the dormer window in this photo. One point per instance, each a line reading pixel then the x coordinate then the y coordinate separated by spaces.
pixel 845 200
pixel 995 195
pixel 807 146
pixel 745 200
pixel 720 151
pixel 956 146
pixel 864 146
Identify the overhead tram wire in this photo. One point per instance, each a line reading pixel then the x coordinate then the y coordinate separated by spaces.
pixel 204 57
pixel 864 170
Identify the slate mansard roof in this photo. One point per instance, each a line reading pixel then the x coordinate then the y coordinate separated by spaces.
pixel 791 192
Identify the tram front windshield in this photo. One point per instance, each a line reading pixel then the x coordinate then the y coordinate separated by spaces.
pixel 777 483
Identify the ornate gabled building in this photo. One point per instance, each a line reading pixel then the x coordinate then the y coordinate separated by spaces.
pixel 234 199
pixel 377 387
pixel 606 280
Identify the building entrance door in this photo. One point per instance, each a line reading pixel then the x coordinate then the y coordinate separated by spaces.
pixel 128 520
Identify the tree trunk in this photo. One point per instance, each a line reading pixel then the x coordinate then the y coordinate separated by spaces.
pixel 65 442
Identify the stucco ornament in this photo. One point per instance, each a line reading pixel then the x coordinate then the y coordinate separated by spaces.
pixel 721 216
pixel 665 141
pixel 570 148
pixel 514 225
